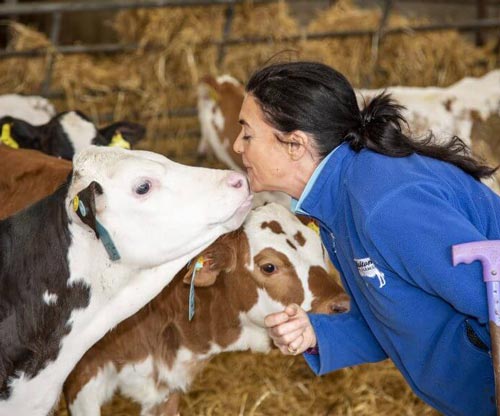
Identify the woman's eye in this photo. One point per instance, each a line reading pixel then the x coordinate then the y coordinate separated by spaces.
pixel 143 188
pixel 246 137
pixel 268 268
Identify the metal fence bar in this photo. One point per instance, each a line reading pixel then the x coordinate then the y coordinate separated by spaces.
pixel 54 39
pixel 229 15
pixel 107 5
pixel 72 49
pixel 377 37
pixel 472 25
pixel 481 13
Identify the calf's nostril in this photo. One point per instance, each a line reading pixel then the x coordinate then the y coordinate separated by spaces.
pixel 236 180
pixel 339 309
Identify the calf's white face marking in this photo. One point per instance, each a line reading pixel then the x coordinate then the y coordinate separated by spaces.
pixel 157 210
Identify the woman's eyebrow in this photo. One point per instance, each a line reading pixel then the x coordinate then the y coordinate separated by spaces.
pixel 243 122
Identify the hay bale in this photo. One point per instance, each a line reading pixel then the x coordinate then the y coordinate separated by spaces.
pixel 413 58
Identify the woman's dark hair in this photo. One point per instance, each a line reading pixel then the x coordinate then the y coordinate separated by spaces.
pixel 319 100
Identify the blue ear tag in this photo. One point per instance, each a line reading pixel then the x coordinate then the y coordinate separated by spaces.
pixel 107 241
pixel 103 233
pixel 197 266
pixel 82 208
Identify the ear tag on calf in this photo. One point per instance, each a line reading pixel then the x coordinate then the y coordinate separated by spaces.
pixel 79 206
pixel 107 242
pixel 6 137
pixel 118 141
pixel 76 203
pixel 313 226
pixel 214 95
pixel 198 266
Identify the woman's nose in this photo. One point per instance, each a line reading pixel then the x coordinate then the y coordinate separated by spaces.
pixel 238 145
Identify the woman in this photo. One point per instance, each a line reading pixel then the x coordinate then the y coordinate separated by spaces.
pixel 390 207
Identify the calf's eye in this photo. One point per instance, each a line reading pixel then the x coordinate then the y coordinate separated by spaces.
pixel 143 188
pixel 268 268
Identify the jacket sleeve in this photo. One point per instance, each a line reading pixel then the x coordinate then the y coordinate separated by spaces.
pixel 343 340
pixel 413 232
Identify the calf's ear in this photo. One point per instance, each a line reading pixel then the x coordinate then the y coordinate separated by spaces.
pixel 202 277
pixel 132 133
pixel 84 205
pixel 219 257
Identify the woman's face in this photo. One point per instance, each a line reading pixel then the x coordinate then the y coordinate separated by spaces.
pixel 266 159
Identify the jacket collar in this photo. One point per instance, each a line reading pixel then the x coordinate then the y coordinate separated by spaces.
pixel 321 195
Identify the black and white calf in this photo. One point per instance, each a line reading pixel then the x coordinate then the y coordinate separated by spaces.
pixel 67 133
pixel 78 262
pixel 33 108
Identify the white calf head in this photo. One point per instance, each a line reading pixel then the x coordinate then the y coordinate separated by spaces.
pixel 155 210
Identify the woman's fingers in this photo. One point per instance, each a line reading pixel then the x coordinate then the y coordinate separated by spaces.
pixel 291 330
pixel 275 319
pixel 288 327
pixel 278 318
pixel 288 338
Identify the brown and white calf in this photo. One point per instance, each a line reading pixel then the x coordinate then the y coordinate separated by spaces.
pixel 81 260
pixel 469 109
pixel 273 260
pixel 219 104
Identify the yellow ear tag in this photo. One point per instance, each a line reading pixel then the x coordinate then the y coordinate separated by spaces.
pixel 214 95
pixel 76 202
pixel 312 225
pixel 6 137
pixel 118 141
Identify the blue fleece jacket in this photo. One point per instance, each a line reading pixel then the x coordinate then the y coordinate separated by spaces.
pixel 388 225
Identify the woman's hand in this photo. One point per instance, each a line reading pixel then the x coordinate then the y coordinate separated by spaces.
pixel 291 330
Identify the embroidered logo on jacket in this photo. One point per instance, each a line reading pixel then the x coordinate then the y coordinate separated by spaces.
pixel 366 268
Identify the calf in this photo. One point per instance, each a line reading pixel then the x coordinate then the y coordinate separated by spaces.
pixel 88 256
pixel 469 109
pixel 219 104
pixel 447 111
pixel 67 133
pixel 273 260
pixel 26 176
pixel 35 109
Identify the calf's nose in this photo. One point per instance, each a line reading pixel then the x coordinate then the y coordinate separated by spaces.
pixel 237 180
pixel 340 304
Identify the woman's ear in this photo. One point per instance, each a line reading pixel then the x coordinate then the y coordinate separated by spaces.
pixel 299 144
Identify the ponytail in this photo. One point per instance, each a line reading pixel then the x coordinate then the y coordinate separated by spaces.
pixel 319 100
pixel 380 129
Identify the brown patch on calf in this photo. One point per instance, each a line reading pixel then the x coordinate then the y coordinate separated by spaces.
pixel 290 244
pixel 274 226
pixel 283 291
pixel 229 100
pixel 299 238
pixel 485 142
pixel 26 176
pixel 328 296
pixel 475 116
pixel 448 104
